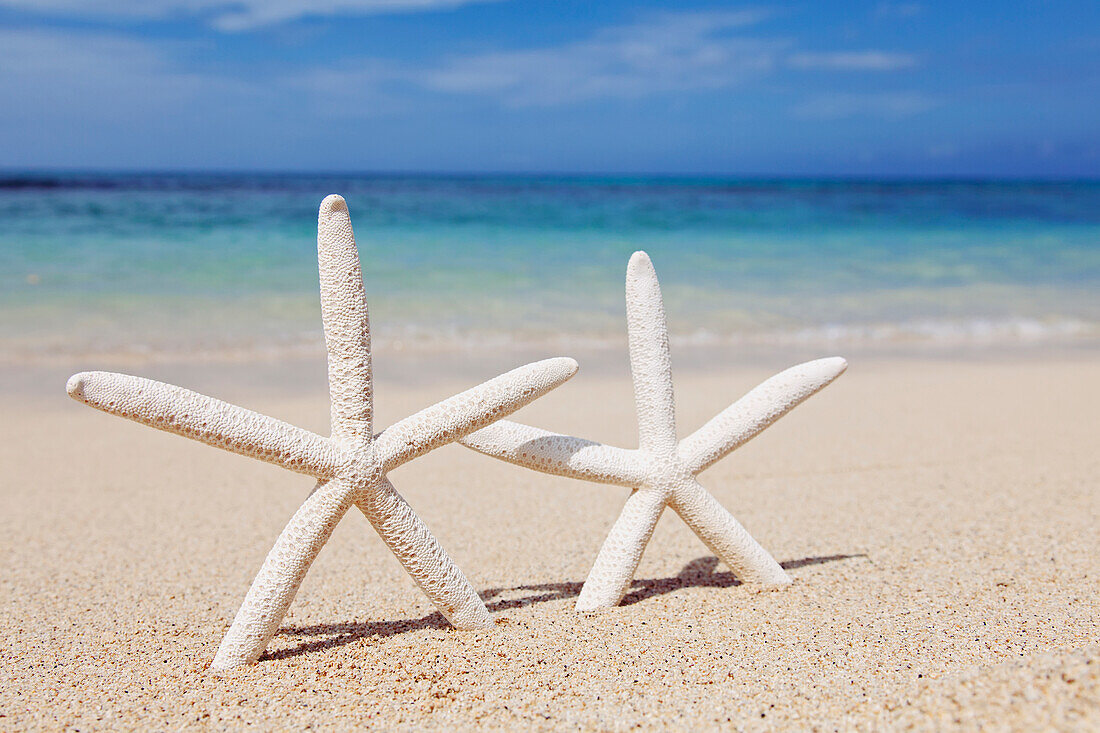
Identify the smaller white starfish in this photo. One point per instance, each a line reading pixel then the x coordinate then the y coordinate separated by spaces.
pixel 661 472
pixel 350 466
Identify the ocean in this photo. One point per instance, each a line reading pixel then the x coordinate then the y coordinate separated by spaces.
pixel 189 263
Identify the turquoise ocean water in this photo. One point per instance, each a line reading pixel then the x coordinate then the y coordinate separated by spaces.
pixel 209 262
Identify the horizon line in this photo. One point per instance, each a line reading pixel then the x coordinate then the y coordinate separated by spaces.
pixel 14 173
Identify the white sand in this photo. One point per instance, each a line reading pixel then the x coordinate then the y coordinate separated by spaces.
pixel 939 519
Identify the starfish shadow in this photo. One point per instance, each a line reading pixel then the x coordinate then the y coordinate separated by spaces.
pixel 699 573
pixel 337 635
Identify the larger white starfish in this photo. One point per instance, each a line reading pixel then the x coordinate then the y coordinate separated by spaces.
pixel 350 466
pixel 661 471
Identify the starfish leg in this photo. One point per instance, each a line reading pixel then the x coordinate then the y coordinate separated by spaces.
pixel 286 565
pixel 621 552
pixel 724 535
pixel 468 411
pixel 208 420
pixel 346 323
pixel 758 409
pixel 423 557
pixel 650 362
pixel 561 455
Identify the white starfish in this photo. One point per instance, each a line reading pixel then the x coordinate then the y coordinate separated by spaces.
pixel 350 466
pixel 661 472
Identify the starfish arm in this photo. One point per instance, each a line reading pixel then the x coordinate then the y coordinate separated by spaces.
pixel 746 418
pixel 650 362
pixel 346 323
pixel 724 535
pixel 561 455
pixel 277 583
pixel 423 557
pixel 208 420
pixel 468 411
pixel 621 552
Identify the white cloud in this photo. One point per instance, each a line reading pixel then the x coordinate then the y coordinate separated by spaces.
pixel 230 15
pixel 105 77
pixel 841 105
pixel 106 100
pixel 367 88
pixel 88 77
pixel 852 61
pixel 672 52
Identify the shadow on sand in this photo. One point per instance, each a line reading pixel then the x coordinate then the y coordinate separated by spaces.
pixel 699 573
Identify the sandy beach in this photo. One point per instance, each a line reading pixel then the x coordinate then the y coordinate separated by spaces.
pixel 207 193
pixel 938 516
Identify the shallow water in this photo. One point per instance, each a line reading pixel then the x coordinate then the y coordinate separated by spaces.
pixel 228 261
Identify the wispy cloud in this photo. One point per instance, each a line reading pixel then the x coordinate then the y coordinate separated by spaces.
pixel 235 15
pixel 368 88
pixel 104 77
pixel 66 74
pixel 841 105
pixel 853 61
pixel 672 52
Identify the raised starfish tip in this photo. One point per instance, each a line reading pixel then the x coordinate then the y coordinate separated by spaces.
pixel 75 385
pixel 332 203
pixel 833 365
pixel 639 264
pixel 562 367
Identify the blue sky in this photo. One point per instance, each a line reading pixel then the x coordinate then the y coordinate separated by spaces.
pixel 813 88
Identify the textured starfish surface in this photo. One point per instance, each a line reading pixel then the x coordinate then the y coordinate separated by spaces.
pixel 350 466
pixel 661 471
